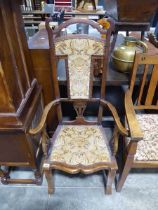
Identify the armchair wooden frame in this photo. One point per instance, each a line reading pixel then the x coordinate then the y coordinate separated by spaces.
pixel 146 100
pixel 79 104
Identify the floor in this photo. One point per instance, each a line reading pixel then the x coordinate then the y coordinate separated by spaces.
pixel 82 192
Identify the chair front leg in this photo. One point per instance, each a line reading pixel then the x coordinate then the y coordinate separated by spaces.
pixel 127 166
pixel 110 180
pixel 49 177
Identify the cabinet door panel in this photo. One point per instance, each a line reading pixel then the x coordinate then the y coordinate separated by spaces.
pixel 6 104
pixel 13 148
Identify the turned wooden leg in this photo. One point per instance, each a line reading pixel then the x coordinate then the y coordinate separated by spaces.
pixel 3 177
pixel 142 35
pixel 50 182
pixel 110 180
pixel 1 173
pixel 6 179
pixel 38 177
pixel 4 174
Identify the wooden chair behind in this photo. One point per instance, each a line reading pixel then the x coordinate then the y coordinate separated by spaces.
pixel 146 101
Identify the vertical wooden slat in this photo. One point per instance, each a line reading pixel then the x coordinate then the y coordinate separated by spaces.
pixel 133 73
pixel 105 68
pixel 142 84
pixel 152 86
pixel 53 59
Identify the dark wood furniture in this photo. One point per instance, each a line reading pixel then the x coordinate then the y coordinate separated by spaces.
pixel 79 145
pixel 128 17
pixel 131 11
pixel 129 27
pixel 20 97
pixel 141 148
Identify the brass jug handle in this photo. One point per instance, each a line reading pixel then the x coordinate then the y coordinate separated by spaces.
pixel 143 45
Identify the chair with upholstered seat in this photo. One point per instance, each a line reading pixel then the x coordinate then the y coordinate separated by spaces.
pixel 141 147
pixel 79 145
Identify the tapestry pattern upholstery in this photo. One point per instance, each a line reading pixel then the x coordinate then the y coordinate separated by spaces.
pixel 147 149
pixel 79 52
pixel 79 144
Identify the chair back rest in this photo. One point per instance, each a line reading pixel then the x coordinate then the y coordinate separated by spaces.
pixel 79 50
pixel 147 81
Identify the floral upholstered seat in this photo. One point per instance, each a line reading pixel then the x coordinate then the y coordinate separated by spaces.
pixel 84 145
pixel 147 148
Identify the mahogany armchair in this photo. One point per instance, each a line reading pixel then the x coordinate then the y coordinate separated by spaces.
pixel 141 148
pixel 79 145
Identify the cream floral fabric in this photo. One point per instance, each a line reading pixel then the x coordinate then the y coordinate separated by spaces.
pixel 147 148
pixel 80 145
pixel 79 53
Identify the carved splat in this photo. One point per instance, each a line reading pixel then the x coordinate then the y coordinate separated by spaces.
pixel 80 108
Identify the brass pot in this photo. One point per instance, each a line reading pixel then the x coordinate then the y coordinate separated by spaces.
pixel 123 56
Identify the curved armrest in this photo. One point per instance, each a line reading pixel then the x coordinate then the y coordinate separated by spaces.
pixel 42 122
pixel 134 128
pixel 114 113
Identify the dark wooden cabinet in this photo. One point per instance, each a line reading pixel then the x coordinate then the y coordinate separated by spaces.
pixel 128 17
pixel 127 10
pixel 20 95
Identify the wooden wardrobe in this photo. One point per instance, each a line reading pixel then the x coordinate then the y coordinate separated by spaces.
pixel 20 97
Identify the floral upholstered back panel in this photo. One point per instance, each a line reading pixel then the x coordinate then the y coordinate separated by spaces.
pixel 79 52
